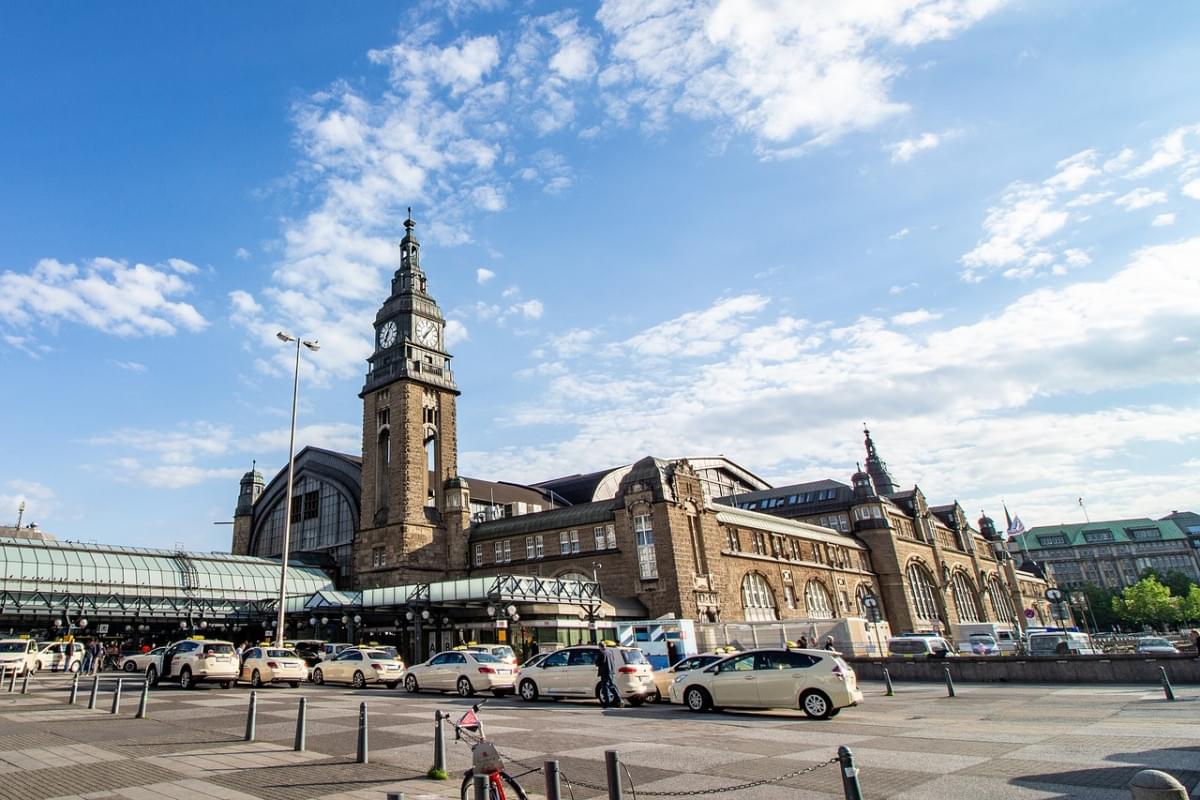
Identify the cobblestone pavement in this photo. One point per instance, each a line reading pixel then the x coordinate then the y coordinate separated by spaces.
pixel 991 741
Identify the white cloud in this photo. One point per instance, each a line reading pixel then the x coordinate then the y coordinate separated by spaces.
pixel 107 295
pixel 488 198
pixel 1162 220
pixel 1140 198
pixel 1089 199
pixel 483 275
pixel 780 71
pixel 905 149
pixel 1074 171
pixel 242 254
pixel 1191 189
pixel 915 317
pixel 1169 151
pixel 900 234
pixel 130 366
pixel 40 501
pixel 456 332
pixel 529 309
pixel 901 289
pixel 1016 229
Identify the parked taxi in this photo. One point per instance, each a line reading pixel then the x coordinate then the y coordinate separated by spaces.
pixel 359 668
pixel 663 678
pixel 272 665
pixel 573 672
pixel 138 662
pixel 465 671
pixel 194 661
pixel 19 654
pixel 818 682
pixel 60 657
pixel 500 651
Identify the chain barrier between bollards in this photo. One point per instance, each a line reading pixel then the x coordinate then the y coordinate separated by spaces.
pixel 362 734
pixel 1166 684
pixel 143 701
pixel 949 684
pixel 251 717
pixel 301 724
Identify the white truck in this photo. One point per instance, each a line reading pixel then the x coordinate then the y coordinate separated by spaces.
pixel 1002 634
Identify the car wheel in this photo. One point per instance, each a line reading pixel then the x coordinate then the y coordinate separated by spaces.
pixel 130 666
pixel 152 675
pixel 38 666
pixel 816 704
pixel 529 691
pixel 294 684
pixel 835 712
pixel 696 699
pixel 185 679
pixel 410 684
pixel 318 677
pixel 359 681
pixel 465 689
pixel 226 684
pixel 657 697
pixel 256 680
pixel 636 700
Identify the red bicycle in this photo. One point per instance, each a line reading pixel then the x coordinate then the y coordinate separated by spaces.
pixel 485 760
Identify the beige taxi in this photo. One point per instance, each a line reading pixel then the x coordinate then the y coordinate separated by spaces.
pixel 360 668
pixel 261 665
pixel 464 671
pixel 194 661
pixel 19 654
pixel 574 672
pixel 663 678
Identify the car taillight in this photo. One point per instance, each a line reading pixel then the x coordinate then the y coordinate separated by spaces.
pixel 377 666
pixel 487 670
pixel 627 670
pixel 272 665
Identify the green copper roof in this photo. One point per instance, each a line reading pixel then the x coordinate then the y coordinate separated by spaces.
pixel 1118 531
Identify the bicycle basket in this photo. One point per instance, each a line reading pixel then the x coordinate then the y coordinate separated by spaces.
pixel 485 759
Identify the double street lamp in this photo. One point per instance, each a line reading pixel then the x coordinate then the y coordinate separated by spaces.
pixel 287 514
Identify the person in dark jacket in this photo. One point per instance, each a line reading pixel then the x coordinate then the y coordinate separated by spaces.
pixel 607 664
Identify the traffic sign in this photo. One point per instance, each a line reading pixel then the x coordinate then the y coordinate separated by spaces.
pixel 1030 613
pixel 1054 595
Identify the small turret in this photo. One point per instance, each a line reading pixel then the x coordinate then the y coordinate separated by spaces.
pixel 863 486
pixel 988 528
pixel 251 489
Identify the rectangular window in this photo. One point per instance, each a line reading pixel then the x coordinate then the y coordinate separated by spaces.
pixel 1047 541
pixel 479 555
pixel 1098 536
pixel 507 551
pixel 795 550
pixel 574 541
pixel 499 552
pixel 297 508
pixel 643 532
pixel 610 533
pixel 601 542
pixel 789 597
pixel 564 544
pixel 537 543
pixel 383 417
pixel 1144 534
pixel 732 541
pixel 378 557
pixel 529 551
pixel 311 501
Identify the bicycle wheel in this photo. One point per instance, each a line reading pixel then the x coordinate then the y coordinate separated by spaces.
pixel 467 791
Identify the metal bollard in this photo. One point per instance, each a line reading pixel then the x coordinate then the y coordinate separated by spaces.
pixel 251 717
pixel 394 796
pixel 481 786
pixel 362 734
pixel 74 691
pixel 612 772
pixel 553 781
pixel 143 701
pixel 1166 684
pixel 949 684
pixel 439 742
pixel 849 774
pixel 887 681
pixel 25 683
pixel 116 706
pixel 95 691
pixel 1150 784
pixel 301 725
pixel 12 680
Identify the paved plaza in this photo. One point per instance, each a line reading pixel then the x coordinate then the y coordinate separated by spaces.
pixel 990 741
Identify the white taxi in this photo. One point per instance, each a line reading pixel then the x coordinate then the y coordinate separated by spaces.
pixel 500 651
pixel 194 661
pixel 139 662
pixel 818 682
pixel 464 671
pixel 573 672
pixel 60 657
pixel 663 678
pixel 359 668
pixel 272 665
pixel 19 654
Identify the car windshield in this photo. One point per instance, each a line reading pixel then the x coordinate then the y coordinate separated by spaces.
pixel 486 658
pixel 1155 643
pixel 634 657
pixel 501 652
pixel 377 655
pixel 281 654
pixel 13 647
pixel 982 638
pixel 218 649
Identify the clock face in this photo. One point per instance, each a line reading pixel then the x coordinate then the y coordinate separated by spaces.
pixel 387 335
pixel 427 333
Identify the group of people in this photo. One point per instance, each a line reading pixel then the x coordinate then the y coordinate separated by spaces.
pixel 98 656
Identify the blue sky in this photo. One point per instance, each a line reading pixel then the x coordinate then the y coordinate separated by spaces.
pixel 681 227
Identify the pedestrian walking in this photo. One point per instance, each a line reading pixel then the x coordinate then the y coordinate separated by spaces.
pixel 86 667
pixel 607 666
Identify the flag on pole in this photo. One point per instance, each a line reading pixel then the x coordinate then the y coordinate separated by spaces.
pixel 1016 527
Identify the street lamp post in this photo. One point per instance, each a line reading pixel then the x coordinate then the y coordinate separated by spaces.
pixel 287 514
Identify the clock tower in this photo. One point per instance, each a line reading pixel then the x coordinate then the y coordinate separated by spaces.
pixel 409 434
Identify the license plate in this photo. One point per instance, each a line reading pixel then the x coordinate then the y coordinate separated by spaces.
pixel 222 658
pixel 392 667
pixel 503 671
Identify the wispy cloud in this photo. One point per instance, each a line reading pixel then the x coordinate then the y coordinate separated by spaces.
pixel 904 150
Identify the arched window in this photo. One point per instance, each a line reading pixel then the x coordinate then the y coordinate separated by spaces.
pixel 863 591
pixel 965 599
pixel 1001 603
pixel 921 587
pixel 757 598
pixel 816 600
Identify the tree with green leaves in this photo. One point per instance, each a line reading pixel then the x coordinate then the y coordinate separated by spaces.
pixel 1179 583
pixel 1189 607
pixel 1147 602
pixel 1100 606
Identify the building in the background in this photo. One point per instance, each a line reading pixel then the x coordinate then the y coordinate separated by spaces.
pixel 1112 554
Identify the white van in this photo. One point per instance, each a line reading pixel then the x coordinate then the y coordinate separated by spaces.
pixel 920 647
pixel 1006 640
pixel 1061 643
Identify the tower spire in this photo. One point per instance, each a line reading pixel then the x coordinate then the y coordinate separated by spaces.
pixel 878 470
